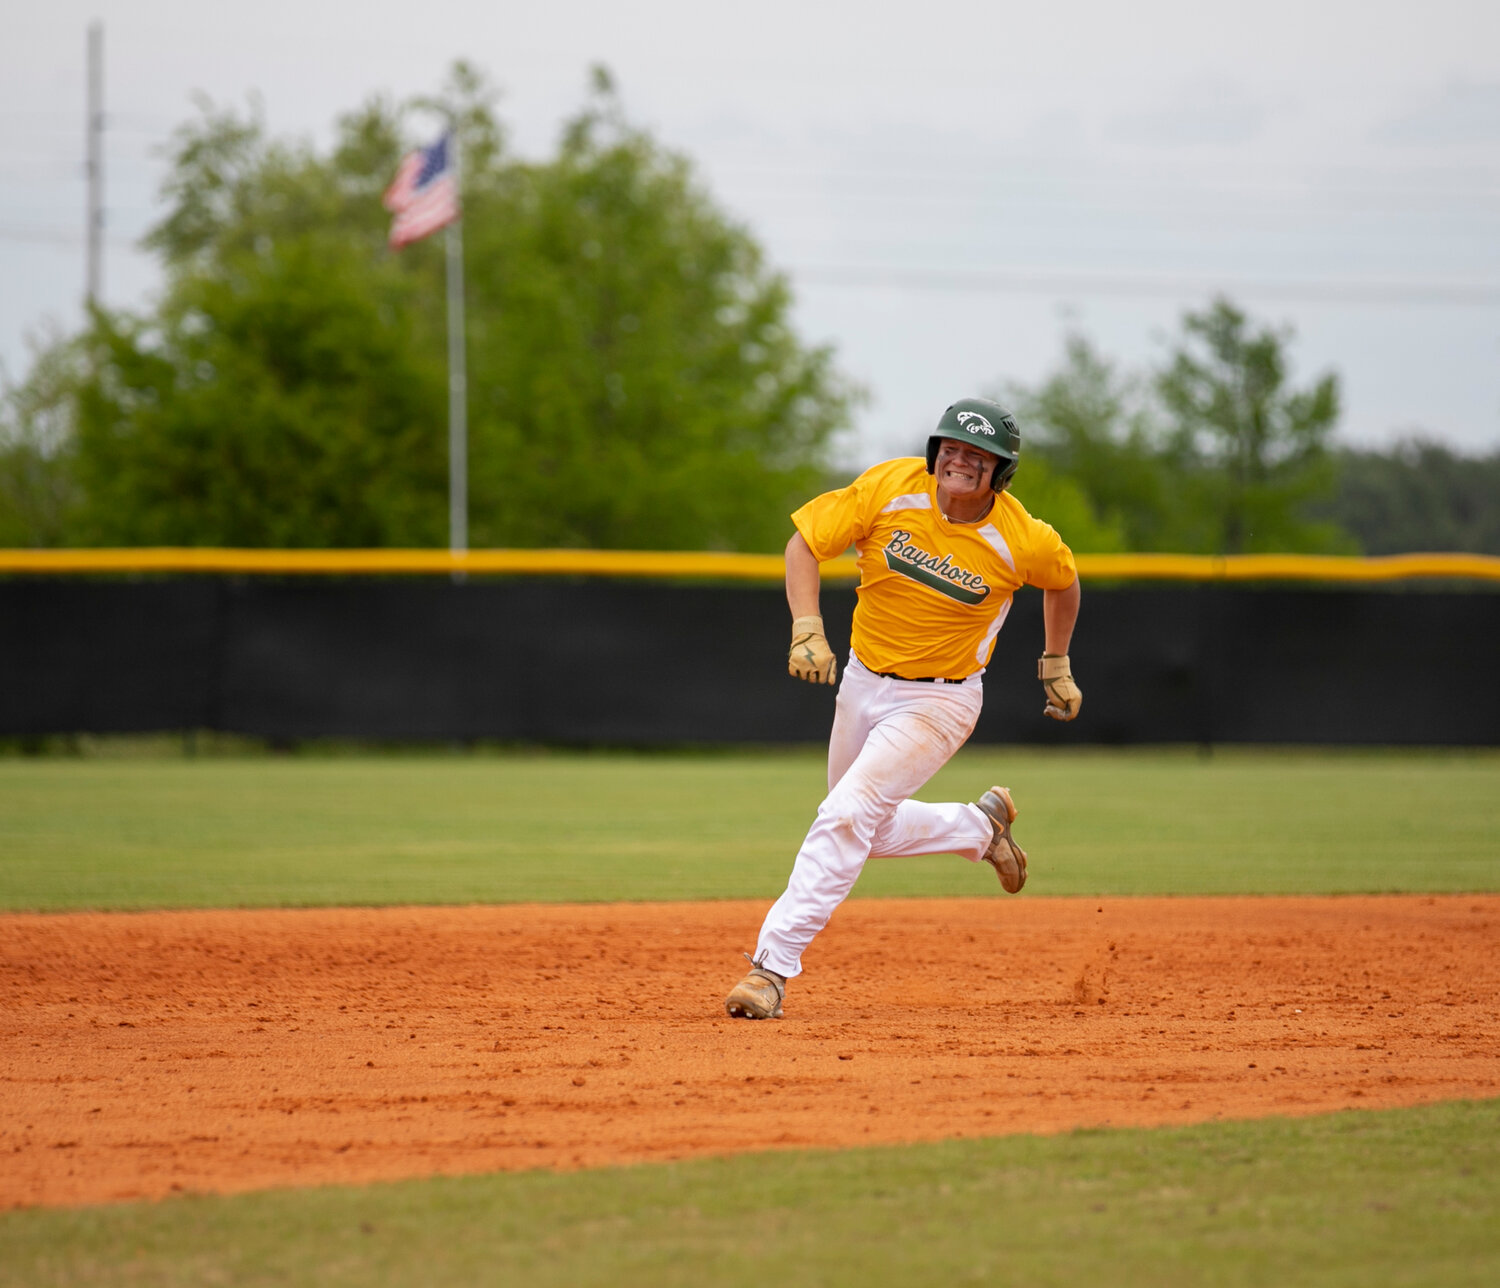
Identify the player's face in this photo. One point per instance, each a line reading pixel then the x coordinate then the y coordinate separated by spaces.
pixel 964 471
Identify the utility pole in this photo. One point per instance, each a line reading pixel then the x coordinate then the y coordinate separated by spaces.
pixel 94 228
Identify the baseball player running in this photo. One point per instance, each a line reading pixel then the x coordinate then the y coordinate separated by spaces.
pixel 942 548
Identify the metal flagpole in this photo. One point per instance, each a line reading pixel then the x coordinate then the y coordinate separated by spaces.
pixel 458 432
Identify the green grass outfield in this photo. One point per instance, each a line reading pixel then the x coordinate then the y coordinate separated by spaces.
pixel 263 831
pixel 1358 1199
pixel 1392 1198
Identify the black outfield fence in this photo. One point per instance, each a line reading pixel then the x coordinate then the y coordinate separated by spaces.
pixel 611 661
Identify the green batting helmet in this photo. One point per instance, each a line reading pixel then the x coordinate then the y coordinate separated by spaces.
pixel 982 424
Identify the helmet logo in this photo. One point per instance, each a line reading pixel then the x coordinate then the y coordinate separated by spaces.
pixel 973 422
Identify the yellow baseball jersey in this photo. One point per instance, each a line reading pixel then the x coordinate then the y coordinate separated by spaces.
pixel 932 594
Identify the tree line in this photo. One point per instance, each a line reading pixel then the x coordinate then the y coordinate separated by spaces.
pixel 635 378
pixel 1217 451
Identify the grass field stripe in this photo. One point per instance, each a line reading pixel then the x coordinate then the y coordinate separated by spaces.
pixel 135 824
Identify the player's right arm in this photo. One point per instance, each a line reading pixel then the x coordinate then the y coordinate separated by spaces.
pixel 809 658
pixel 826 526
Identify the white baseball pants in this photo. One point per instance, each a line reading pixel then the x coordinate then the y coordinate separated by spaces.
pixel 889 737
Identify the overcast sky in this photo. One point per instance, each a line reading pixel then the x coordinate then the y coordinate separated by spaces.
pixel 951 185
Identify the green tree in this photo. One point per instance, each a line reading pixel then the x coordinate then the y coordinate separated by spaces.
pixel 634 378
pixel 1063 503
pixel 285 391
pixel 1213 453
pixel 639 380
pixel 1254 449
pixel 1094 427
pixel 38 496
pixel 1419 495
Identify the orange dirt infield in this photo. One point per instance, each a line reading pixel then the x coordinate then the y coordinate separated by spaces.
pixel 143 1054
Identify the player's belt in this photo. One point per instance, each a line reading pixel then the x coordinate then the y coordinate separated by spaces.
pixel 922 679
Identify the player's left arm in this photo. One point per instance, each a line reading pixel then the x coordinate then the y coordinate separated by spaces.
pixel 1059 616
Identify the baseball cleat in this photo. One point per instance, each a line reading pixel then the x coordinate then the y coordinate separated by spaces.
pixel 1004 855
pixel 757 996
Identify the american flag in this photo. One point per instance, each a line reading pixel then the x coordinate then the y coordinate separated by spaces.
pixel 424 194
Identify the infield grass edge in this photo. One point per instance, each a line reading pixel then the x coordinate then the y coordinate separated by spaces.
pixel 1367 1198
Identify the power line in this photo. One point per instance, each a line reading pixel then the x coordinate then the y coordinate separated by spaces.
pixel 1018 205
pixel 991 281
pixel 59 236
pixel 1062 282
pixel 943 185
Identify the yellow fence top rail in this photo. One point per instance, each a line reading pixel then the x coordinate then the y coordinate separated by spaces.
pixel 1143 567
pixel 591 563
pixel 708 565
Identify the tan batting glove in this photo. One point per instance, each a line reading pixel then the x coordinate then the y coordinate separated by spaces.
pixel 1064 698
pixel 810 658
